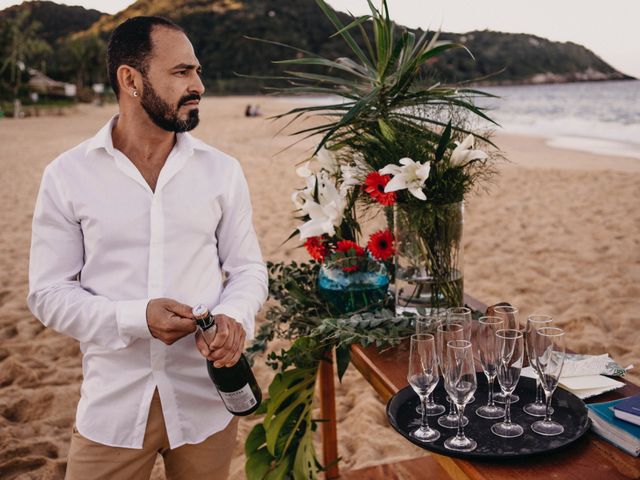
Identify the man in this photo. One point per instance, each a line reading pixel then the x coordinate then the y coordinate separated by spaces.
pixel 131 229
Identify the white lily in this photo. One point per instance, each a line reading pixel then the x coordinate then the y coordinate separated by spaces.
pixel 464 152
pixel 327 161
pixel 412 176
pixel 327 212
pixel 305 170
pixel 324 160
pixel 299 197
pixel 352 176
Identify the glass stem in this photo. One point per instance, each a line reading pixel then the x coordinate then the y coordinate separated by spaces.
pixel 460 433
pixel 450 407
pixel 490 380
pixel 507 408
pixel 423 424
pixel 430 399
pixel 547 413
pixel 538 391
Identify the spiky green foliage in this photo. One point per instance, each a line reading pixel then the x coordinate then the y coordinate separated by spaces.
pixel 381 85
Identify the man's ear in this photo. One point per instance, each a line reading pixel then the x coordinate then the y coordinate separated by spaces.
pixel 129 80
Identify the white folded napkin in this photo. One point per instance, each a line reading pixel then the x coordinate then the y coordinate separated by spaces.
pixel 581 374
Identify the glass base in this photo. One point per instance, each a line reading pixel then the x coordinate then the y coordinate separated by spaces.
pixel 537 409
pixel 507 430
pixel 490 412
pixel 499 398
pixel 432 410
pixel 460 444
pixel 549 428
pixel 451 421
pixel 425 434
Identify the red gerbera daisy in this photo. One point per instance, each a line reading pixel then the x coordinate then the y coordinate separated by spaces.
pixel 346 246
pixel 316 248
pixel 374 185
pixel 381 245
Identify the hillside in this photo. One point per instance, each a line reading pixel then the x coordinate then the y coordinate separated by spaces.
pixel 218 30
pixel 56 21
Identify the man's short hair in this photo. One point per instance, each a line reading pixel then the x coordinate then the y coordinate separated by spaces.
pixel 130 44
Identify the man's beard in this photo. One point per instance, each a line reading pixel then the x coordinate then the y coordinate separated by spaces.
pixel 163 115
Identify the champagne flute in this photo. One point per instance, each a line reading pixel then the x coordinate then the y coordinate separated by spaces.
pixel 509 315
pixel 487 345
pixel 460 382
pixel 538 407
pixel 462 316
pixel 446 333
pixel 549 353
pixel 428 325
pixel 423 378
pixel 510 359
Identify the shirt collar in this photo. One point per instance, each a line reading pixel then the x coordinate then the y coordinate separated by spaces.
pixel 185 143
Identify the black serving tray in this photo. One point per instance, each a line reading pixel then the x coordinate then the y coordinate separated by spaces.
pixel 570 411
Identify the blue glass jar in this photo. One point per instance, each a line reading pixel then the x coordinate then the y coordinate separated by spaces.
pixel 352 284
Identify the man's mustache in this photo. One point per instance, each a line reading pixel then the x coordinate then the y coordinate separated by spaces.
pixel 189 98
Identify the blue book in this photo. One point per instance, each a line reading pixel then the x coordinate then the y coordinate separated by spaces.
pixel 628 409
pixel 624 435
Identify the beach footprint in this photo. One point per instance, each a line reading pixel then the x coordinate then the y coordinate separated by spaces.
pixel 3 295
pixel 8 332
pixel 19 467
pixel 26 410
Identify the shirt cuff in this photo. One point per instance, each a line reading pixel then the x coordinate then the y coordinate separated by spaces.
pixel 237 315
pixel 131 316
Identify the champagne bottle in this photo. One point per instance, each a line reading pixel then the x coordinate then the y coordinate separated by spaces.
pixel 237 385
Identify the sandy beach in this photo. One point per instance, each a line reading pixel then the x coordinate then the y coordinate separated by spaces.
pixel 558 232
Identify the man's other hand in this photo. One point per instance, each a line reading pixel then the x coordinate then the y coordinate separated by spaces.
pixel 227 345
pixel 169 320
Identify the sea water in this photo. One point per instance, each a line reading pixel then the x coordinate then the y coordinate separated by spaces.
pixel 597 117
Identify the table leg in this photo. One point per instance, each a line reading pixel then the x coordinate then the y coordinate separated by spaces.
pixel 328 413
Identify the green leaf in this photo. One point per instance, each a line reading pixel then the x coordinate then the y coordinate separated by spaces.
pixel 444 142
pixel 281 471
pixel 304 467
pixel 343 357
pixel 386 130
pixel 255 439
pixel 258 464
pixel 331 15
pixel 292 414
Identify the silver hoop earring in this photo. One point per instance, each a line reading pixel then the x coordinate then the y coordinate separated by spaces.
pixel 135 93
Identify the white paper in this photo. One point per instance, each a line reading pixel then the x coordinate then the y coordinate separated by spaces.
pixel 583 386
pixel 589 382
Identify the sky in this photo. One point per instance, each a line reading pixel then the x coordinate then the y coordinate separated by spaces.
pixel 608 28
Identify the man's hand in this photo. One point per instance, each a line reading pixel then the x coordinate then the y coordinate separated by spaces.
pixel 227 345
pixel 169 320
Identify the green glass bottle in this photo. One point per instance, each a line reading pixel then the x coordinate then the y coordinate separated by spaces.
pixel 236 385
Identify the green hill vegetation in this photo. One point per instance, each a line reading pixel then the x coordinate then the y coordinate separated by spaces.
pixel 68 44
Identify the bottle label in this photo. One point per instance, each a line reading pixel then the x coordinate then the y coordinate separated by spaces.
pixel 240 400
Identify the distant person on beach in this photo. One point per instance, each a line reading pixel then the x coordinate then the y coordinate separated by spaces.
pixel 131 229
pixel 252 111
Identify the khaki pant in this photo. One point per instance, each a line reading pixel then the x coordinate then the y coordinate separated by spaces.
pixel 208 460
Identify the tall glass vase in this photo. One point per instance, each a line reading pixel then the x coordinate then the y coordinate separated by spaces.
pixel 429 258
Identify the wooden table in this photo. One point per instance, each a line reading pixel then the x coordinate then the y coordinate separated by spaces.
pixel 590 458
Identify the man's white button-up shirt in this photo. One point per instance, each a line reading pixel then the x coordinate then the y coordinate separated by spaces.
pixel 104 244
